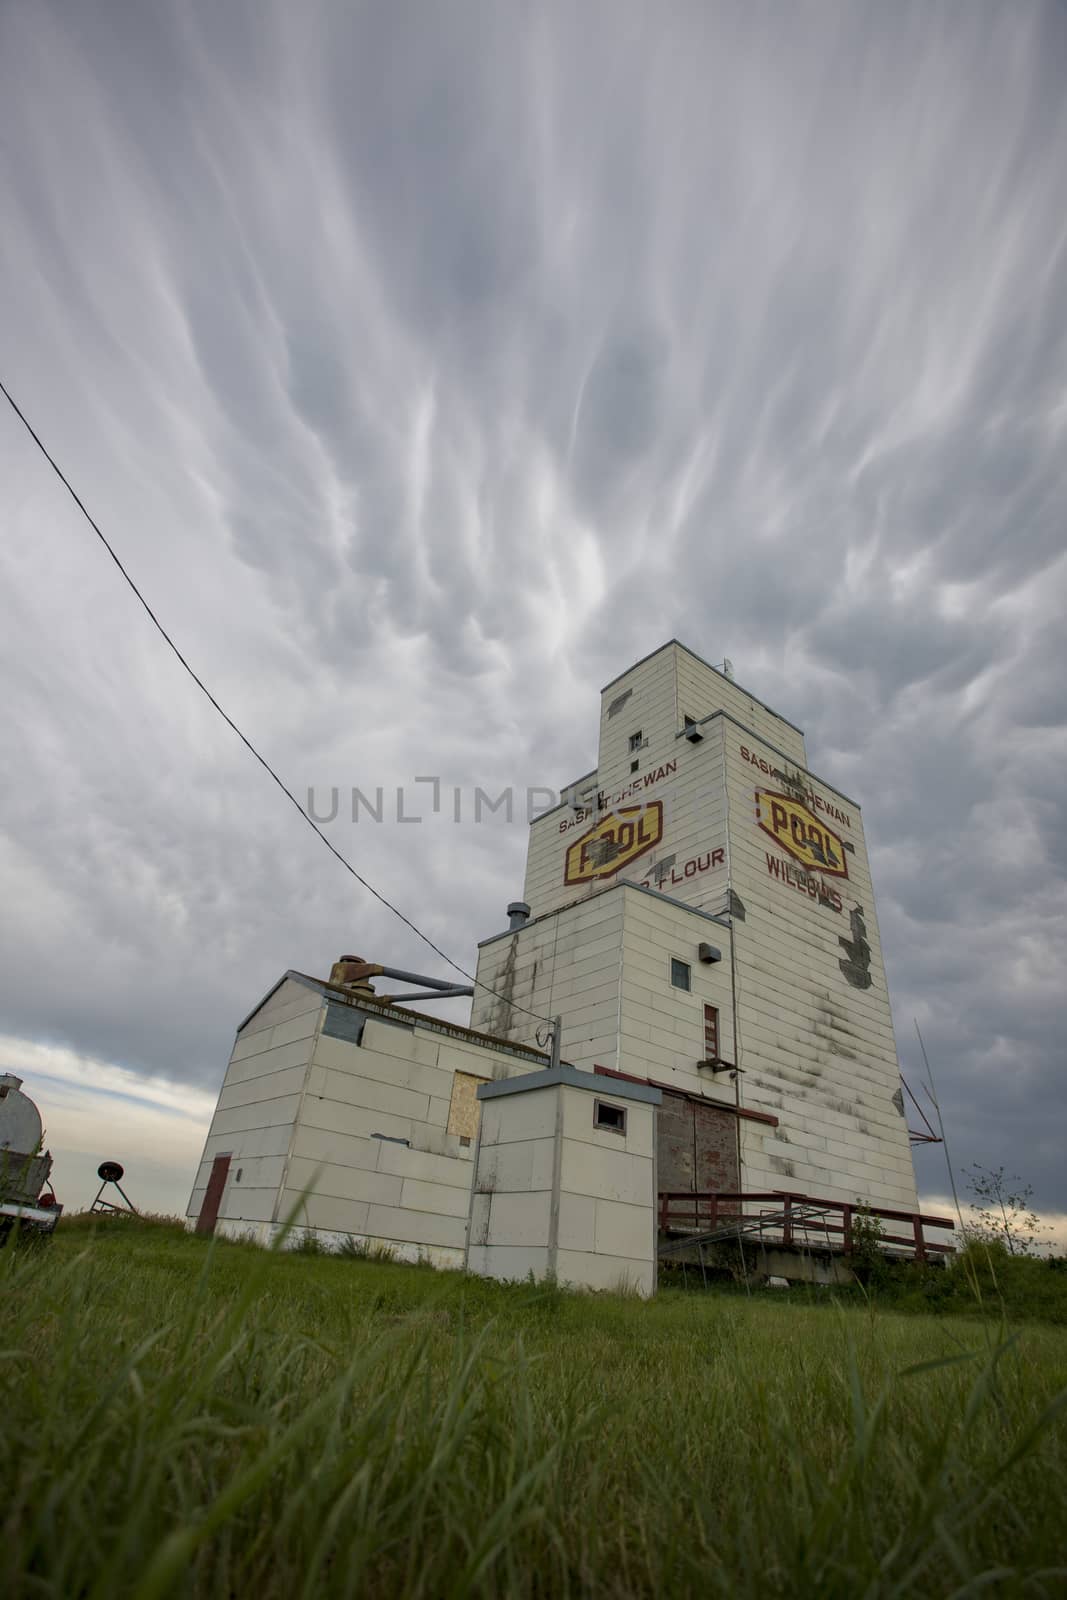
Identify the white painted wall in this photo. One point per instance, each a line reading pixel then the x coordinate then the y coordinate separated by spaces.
pixel 607 1193
pixel 815 1051
pixel 414 1197
pixel 313 1120
pixel 604 964
pixel 702 691
pixel 569 965
pixel 686 778
pixel 257 1106
pixel 348 1140
pixel 556 1197
pixel 661 1027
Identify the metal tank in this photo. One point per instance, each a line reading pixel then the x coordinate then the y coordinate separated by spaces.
pixel 24 1167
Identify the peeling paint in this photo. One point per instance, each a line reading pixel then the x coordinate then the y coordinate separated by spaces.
pixel 662 868
pixel 857 967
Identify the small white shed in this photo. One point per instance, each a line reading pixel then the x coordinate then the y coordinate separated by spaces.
pixel 565 1181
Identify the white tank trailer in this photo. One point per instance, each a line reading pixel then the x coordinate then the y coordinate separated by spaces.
pixel 26 1196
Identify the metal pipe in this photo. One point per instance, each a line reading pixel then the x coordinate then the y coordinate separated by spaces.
pixel 444 985
pixel 425 994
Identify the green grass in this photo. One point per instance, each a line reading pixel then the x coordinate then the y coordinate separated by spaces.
pixel 983 1280
pixel 180 1419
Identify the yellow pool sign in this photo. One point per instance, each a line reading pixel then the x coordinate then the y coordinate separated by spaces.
pixel 614 842
pixel 800 832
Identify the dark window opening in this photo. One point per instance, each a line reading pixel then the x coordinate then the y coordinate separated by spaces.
pixel 681 977
pixel 635 740
pixel 612 1118
pixel 634 765
pixel 389 1138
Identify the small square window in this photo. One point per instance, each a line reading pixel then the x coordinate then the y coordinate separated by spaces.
pixel 635 741
pixel 609 1117
pixel 634 765
pixel 681 977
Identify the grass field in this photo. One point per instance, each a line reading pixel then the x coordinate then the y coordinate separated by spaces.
pixel 181 1419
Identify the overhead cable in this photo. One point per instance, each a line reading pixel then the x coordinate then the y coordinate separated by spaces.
pixel 249 746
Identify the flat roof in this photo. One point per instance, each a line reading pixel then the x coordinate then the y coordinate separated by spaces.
pixel 761 738
pixel 660 648
pixel 720 918
pixel 401 1016
pixel 573 1078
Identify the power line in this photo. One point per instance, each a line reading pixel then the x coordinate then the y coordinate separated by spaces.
pixel 202 686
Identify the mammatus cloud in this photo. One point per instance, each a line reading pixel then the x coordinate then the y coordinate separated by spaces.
pixel 428 370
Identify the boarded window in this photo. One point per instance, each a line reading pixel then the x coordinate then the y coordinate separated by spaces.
pixel 697 1147
pixel 464 1111
pixel 711 1033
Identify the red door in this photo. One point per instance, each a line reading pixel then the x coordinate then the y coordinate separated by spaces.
pixel 209 1211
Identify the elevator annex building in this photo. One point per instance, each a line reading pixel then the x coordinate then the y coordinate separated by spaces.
pixel 698 912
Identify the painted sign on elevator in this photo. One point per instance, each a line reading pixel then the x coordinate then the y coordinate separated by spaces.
pixel 616 840
pixel 799 832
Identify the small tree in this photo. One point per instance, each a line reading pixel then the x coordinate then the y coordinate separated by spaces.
pixel 867 1260
pixel 1002 1214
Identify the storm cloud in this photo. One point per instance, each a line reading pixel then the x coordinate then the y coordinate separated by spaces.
pixel 430 365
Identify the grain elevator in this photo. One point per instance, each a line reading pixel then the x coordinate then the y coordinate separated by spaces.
pixel 698 914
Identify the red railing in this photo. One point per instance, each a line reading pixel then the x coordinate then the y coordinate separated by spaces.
pixel 709 1212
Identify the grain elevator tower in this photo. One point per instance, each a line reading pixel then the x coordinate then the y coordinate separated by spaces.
pixel 699 911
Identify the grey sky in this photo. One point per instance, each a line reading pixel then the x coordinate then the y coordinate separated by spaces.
pixel 429 365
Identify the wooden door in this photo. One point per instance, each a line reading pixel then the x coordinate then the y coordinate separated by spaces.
pixel 209 1211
